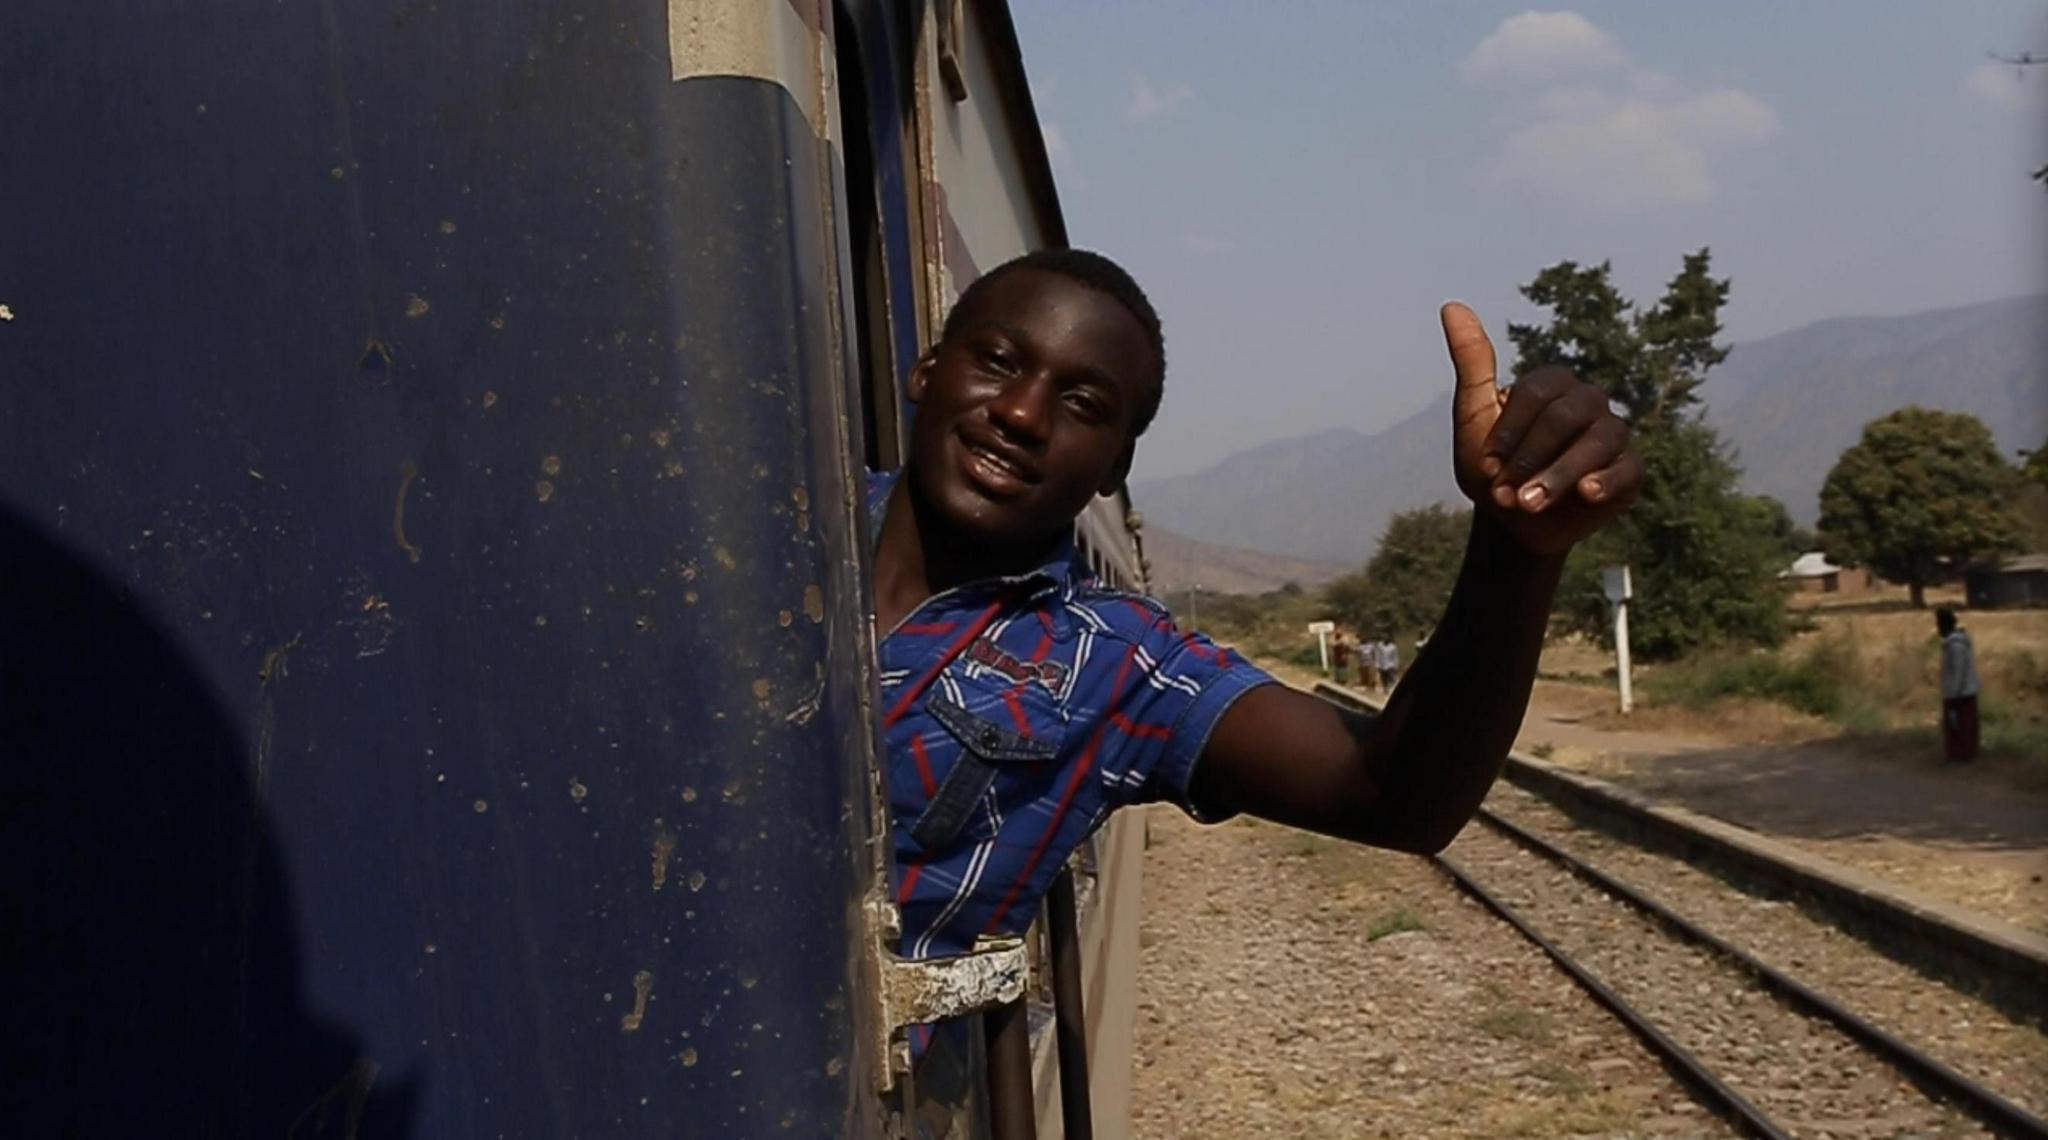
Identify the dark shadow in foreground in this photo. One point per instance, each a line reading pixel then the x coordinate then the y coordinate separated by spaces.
pixel 149 981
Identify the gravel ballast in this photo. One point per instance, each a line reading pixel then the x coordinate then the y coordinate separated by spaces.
pixel 1968 1035
pixel 1292 986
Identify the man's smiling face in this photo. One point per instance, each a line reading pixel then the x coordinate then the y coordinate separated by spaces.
pixel 1024 413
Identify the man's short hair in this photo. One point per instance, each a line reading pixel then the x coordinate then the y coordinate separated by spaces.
pixel 1944 619
pixel 1099 273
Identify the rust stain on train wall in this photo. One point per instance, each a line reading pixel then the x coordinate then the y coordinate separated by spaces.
pixel 643 985
pixel 406 474
pixel 664 848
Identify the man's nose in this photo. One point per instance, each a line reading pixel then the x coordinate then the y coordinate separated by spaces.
pixel 1024 406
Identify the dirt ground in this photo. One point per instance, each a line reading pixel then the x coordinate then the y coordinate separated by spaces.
pixel 1294 986
pixel 1975 835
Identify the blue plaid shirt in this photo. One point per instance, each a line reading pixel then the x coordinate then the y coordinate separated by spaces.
pixel 1017 714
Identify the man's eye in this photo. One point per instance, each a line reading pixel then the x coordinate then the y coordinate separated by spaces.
pixel 1085 404
pixel 998 359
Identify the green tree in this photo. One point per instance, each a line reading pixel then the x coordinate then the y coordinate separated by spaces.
pixel 1788 538
pixel 1923 494
pixel 1405 585
pixel 2034 465
pixel 1704 557
pixel 1651 363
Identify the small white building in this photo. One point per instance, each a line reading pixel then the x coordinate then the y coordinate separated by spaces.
pixel 1812 573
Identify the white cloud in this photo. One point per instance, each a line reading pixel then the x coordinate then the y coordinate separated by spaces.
pixel 1543 46
pixel 1601 131
pixel 1635 154
pixel 1148 102
pixel 2009 86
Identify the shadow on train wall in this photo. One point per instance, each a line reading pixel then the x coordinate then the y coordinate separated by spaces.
pixel 149 977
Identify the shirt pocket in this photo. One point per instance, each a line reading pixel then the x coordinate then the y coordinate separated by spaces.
pixel 993 755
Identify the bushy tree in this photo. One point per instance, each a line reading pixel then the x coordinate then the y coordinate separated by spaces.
pixel 1703 559
pixel 1404 586
pixel 1788 538
pixel 1703 556
pixel 1923 494
pixel 1652 364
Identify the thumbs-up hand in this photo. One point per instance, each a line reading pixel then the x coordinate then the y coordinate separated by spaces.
pixel 1545 458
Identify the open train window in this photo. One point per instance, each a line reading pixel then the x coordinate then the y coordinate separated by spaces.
pixel 873 360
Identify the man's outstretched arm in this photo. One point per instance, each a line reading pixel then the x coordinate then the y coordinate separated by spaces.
pixel 1545 465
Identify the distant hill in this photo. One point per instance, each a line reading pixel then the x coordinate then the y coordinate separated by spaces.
pixel 1789 404
pixel 1792 403
pixel 1179 562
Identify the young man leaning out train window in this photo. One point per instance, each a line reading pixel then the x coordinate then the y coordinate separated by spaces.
pixel 1023 701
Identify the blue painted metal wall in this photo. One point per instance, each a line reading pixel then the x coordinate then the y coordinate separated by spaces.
pixel 432 662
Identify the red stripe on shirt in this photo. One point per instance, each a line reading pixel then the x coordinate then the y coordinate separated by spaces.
pixel 1017 716
pixel 929 629
pixel 1146 731
pixel 924 767
pixel 911 694
pixel 1059 814
pixel 909 881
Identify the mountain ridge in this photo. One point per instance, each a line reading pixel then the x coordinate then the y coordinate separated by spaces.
pixel 1788 404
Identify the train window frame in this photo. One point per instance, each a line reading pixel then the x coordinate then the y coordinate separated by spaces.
pixel 874 358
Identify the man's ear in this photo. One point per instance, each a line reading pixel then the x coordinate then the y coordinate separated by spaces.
pixel 920 375
pixel 1120 470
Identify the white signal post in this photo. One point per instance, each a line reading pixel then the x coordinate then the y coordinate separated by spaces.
pixel 1615 584
pixel 1322 631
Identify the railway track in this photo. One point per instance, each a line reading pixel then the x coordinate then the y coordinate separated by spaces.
pixel 1780 1023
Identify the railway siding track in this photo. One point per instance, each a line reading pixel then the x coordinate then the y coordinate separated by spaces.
pixel 1778 1072
pixel 1935 1079
pixel 1703 971
pixel 1955 1028
pixel 2003 964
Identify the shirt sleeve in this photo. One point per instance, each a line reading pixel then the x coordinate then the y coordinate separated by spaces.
pixel 1175 686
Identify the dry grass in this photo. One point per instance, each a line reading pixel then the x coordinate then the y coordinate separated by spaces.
pixel 1872 670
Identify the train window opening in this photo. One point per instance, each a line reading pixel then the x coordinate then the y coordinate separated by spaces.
pixel 873 363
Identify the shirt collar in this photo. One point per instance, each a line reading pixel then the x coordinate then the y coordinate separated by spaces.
pixel 1061 567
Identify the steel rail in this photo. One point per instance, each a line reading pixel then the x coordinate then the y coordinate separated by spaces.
pixel 1930 1075
pixel 1688 1068
pixel 1070 1023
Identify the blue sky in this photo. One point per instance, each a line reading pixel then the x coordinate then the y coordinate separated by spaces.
pixel 1299 185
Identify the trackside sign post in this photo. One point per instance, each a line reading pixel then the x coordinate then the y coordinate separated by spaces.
pixel 1322 631
pixel 1615 584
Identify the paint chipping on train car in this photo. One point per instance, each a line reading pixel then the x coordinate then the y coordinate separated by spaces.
pixel 779 42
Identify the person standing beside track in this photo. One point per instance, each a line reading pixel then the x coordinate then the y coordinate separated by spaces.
pixel 1958 688
pixel 1387 656
pixel 1023 701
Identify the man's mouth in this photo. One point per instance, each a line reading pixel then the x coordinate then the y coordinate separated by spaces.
pixel 996 471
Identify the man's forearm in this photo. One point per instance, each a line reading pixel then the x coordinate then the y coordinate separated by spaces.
pixel 1448 726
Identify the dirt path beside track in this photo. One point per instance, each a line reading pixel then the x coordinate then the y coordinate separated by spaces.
pixel 1292 986
pixel 1968 834
pixel 1974 835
